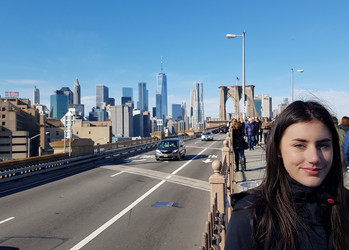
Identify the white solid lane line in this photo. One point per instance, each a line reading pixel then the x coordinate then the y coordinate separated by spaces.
pixel 116 174
pixel 115 218
pixel 127 209
pixel 8 219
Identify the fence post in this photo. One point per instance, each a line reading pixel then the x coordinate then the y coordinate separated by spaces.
pixel 218 185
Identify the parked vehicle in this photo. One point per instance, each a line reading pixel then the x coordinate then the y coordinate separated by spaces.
pixel 207 136
pixel 173 148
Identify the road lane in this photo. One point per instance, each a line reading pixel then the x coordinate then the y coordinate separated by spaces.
pixel 60 214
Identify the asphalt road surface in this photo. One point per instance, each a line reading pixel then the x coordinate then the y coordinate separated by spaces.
pixel 134 203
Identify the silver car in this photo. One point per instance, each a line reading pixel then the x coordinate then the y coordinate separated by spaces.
pixel 173 148
pixel 207 136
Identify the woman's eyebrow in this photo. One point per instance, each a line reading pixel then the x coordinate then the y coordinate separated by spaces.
pixel 304 140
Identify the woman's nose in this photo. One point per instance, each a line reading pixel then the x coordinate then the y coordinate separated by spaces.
pixel 313 154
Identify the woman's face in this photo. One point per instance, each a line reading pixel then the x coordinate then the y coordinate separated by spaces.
pixel 307 152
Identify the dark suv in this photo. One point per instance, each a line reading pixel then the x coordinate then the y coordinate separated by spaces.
pixel 173 148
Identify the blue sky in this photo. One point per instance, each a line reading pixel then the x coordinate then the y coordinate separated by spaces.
pixel 49 44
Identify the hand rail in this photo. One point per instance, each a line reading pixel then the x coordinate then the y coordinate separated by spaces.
pixel 41 167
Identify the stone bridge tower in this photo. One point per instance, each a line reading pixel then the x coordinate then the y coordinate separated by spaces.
pixel 235 92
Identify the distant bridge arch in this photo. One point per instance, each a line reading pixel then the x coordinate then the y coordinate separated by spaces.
pixel 235 92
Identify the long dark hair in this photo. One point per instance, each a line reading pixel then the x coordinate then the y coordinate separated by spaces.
pixel 277 213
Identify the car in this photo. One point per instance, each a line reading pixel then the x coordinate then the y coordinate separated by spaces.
pixel 207 136
pixel 172 148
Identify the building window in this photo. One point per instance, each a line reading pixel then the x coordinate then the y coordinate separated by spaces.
pixel 57 132
pixel 89 132
pixel 3 123
pixel 77 132
pixel 3 116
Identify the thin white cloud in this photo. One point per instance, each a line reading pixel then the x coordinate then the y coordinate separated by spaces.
pixel 24 81
pixel 89 102
pixel 336 101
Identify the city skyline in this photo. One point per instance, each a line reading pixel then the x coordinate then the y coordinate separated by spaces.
pixel 50 44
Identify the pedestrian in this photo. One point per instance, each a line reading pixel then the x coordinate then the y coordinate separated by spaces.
pixel 345 148
pixel 341 134
pixel 266 127
pixel 302 203
pixel 242 123
pixel 344 124
pixel 239 145
pixel 250 132
pixel 258 125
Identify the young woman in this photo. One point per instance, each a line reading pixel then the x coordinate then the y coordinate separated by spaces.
pixel 239 144
pixel 302 204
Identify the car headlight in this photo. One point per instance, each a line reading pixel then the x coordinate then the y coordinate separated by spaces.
pixel 175 151
pixel 158 151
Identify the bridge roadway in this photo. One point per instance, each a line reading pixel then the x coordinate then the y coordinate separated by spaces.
pixel 135 203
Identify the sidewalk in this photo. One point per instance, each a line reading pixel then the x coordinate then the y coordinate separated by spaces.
pixel 255 169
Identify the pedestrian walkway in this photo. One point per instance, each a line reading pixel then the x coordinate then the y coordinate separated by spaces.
pixel 255 170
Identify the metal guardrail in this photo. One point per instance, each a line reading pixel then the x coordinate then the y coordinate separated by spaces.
pixel 31 169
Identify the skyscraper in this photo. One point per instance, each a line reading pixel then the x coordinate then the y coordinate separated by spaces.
pixel 36 96
pixel 142 103
pixel 127 92
pixel 76 93
pixel 69 94
pixel 197 106
pixel 102 96
pixel 162 90
pixel 161 103
pixel 158 106
pixel 122 120
pixel 177 112
pixel 59 104
pixel 264 109
pixel 185 115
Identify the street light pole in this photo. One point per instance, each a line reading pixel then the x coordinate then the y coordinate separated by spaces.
pixel 292 70
pixel 29 139
pixel 229 36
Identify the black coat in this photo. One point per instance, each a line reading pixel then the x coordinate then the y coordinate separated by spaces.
pixel 312 205
pixel 238 138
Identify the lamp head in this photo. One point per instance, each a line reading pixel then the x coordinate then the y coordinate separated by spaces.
pixel 231 36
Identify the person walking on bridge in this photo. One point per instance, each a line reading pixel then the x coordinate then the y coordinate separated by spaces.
pixel 250 132
pixel 302 203
pixel 266 127
pixel 239 145
pixel 345 148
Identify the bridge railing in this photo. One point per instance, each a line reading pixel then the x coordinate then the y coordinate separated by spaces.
pixel 222 185
pixel 15 169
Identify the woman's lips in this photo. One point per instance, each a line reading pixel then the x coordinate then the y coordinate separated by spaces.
pixel 312 171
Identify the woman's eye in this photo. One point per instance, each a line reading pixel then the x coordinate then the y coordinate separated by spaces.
pixel 325 145
pixel 299 145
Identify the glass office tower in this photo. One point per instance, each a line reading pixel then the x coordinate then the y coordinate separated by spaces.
pixel 76 93
pixel 102 96
pixel 127 92
pixel 197 106
pixel 59 104
pixel 142 103
pixel 162 90
pixel 177 112
pixel 36 96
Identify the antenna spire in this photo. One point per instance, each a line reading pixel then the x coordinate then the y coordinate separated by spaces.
pixel 161 64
